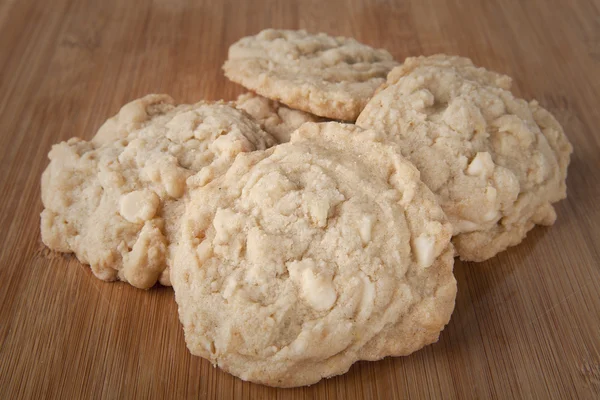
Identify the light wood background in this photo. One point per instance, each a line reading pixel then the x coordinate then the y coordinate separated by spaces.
pixel 526 324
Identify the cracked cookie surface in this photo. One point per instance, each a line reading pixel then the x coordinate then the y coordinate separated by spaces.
pixel 309 256
pixel 115 201
pixel 495 162
pixel 332 77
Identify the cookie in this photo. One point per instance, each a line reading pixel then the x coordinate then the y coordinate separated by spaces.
pixel 309 256
pixel 331 77
pixel 132 116
pixel 275 118
pixel 495 162
pixel 115 201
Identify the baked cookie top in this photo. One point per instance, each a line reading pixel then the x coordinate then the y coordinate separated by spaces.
pixel 332 77
pixel 114 201
pixel 275 118
pixel 495 162
pixel 309 256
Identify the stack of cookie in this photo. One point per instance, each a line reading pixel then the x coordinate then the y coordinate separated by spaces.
pixel 297 244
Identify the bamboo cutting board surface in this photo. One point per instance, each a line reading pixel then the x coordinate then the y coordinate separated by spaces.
pixel 526 324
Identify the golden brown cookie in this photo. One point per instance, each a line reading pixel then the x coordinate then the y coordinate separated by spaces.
pixel 495 162
pixel 307 257
pixel 331 77
pixel 115 201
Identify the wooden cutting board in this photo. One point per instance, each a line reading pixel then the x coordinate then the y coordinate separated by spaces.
pixel 526 324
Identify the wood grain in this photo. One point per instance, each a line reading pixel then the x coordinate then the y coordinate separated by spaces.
pixel 527 323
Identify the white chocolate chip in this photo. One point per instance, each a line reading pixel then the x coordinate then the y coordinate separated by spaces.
pixel 511 126
pixel 464 226
pixel 490 215
pixel 421 99
pixel 144 263
pixel 299 345
pixel 203 251
pixel 174 182
pixel 255 248
pixel 365 229
pixel 289 203
pixel 293 117
pixel 424 246
pixel 230 287
pixel 367 298
pixel 481 165
pixel 230 145
pixel 491 193
pixel 205 175
pixel 317 289
pixel 226 223
pixel 319 209
pixel 134 111
pixel 139 206
pixel 181 127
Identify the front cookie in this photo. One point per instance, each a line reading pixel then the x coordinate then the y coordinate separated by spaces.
pixel 332 77
pixel 114 201
pixel 495 162
pixel 307 257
